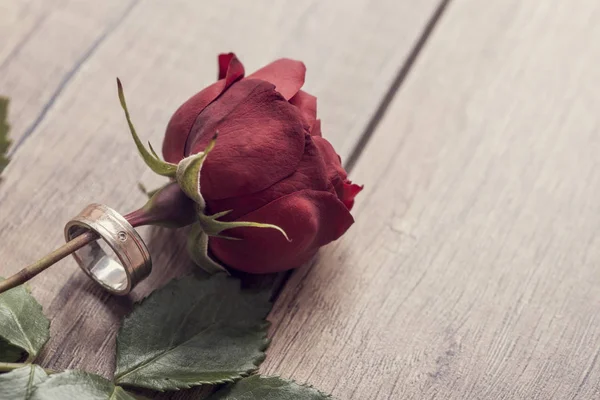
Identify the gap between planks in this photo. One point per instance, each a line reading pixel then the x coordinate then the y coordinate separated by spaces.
pixel 76 126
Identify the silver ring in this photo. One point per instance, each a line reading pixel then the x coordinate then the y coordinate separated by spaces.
pixel 116 276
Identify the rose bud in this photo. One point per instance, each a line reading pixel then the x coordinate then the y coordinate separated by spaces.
pixel 272 191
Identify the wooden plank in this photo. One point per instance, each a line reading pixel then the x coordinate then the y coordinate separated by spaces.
pixel 472 270
pixel 46 43
pixel 81 151
pixel 19 20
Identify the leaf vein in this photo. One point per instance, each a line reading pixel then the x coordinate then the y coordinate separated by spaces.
pixel 162 354
pixel 30 350
pixel 30 382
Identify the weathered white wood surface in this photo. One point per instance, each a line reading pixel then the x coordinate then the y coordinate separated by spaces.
pixel 79 151
pixel 43 45
pixel 473 269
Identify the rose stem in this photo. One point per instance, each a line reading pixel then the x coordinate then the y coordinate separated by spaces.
pixel 7 367
pixel 68 248
pixel 45 262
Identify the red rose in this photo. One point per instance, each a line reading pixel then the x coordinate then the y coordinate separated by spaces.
pixel 270 165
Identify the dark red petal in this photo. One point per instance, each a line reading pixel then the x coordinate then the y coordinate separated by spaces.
pixel 310 174
pixel 345 189
pixel 307 103
pixel 183 119
pixel 349 192
pixel 223 61
pixel 310 218
pixel 331 158
pixel 235 71
pixel 287 76
pixel 316 129
pixel 261 140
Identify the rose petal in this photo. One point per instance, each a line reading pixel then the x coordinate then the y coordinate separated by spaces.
pixel 316 129
pixel 223 61
pixel 310 218
pixel 235 71
pixel 338 176
pixel 287 76
pixel 307 103
pixel 183 119
pixel 261 140
pixel 331 158
pixel 349 192
pixel 310 174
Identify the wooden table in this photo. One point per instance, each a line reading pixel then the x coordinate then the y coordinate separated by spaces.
pixel 472 271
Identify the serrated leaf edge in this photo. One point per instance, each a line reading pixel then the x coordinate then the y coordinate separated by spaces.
pixel 87 375
pixel 234 378
pixel 31 352
pixel 256 361
pixel 305 385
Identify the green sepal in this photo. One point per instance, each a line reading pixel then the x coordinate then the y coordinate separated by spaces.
pixel 188 173
pixel 152 150
pixel 213 227
pixel 150 193
pixel 197 246
pixel 208 226
pixel 150 157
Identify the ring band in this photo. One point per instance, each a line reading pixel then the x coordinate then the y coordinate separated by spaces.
pixel 116 276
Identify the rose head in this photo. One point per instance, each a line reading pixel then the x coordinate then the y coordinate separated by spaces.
pixel 270 165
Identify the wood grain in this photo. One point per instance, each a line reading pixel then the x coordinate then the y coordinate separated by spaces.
pixel 19 20
pixel 43 46
pixel 80 151
pixel 472 269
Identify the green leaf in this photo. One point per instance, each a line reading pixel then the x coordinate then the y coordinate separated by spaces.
pixel 22 323
pixel 19 384
pixel 193 332
pixel 270 388
pixel 10 353
pixel 150 157
pixel 78 385
pixel 197 246
pixel 4 128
